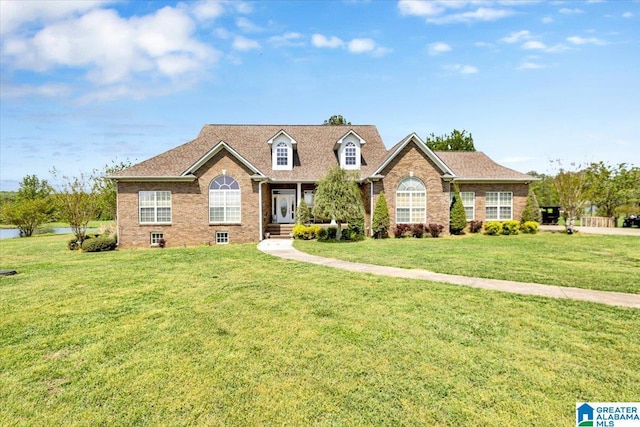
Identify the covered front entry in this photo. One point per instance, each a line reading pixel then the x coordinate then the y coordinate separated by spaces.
pixel 284 206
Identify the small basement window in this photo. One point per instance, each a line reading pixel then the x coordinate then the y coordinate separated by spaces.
pixel 222 237
pixel 155 238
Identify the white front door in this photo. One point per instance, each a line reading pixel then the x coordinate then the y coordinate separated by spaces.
pixel 284 206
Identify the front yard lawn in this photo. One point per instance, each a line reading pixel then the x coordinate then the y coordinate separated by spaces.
pixel 608 263
pixel 229 336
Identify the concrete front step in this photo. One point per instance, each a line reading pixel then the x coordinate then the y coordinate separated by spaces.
pixel 282 231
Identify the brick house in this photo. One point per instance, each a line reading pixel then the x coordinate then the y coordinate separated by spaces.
pixel 236 183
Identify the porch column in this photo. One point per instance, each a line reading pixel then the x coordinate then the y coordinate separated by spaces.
pixel 299 193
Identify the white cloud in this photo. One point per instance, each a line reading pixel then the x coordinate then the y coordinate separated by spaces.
pixel 528 65
pixel 52 90
pixel 481 14
pixel 247 26
pixel 113 49
pixel 627 15
pixel 16 14
pixel 534 45
pixel 547 20
pixel 588 40
pixel 462 69
pixel 517 36
pixel 243 43
pixel 568 11
pixel 287 39
pixel 419 7
pixel 361 45
pixel 319 40
pixel 207 10
pixel 438 48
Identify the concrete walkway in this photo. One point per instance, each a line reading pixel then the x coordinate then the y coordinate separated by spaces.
pixel 283 248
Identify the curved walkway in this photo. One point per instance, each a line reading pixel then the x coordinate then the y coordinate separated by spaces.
pixel 283 248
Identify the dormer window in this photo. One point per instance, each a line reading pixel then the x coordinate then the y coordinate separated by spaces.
pixel 282 146
pixel 282 154
pixel 349 149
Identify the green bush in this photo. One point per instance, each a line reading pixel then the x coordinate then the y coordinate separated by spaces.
pixel 510 227
pixel 529 227
pixel 323 234
pixel 303 213
pixel 492 228
pixel 381 222
pixel 531 210
pixel 73 244
pixel 306 232
pixel 457 214
pixel 99 244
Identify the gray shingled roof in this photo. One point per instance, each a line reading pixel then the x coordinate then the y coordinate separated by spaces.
pixel 314 150
pixel 314 153
pixel 475 165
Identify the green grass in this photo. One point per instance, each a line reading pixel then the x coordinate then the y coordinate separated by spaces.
pixel 610 263
pixel 226 335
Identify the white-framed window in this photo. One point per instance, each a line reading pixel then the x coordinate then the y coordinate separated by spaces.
pixel 350 152
pixel 282 154
pixel 469 203
pixel 156 237
pixel 222 237
pixel 154 207
pixel 224 200
pixel 411 202
pixel 498 205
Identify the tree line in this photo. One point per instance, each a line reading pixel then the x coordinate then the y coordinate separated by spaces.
pixel 79 199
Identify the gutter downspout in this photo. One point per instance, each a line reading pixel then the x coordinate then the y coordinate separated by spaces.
pixel 261 235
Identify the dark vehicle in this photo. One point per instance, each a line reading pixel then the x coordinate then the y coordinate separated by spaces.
pixel 550 214
pixel 631 221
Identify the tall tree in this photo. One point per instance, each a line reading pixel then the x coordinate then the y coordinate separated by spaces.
pixel 338 197
pixel 32 206
pixel 76 203
pixel 106 190
pixel 336 120
pixel 544 189
pixel 531 210
pixel 571 186
pixel 610 187
pixel 456 141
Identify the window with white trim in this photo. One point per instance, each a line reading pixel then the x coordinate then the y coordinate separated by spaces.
pixel 350 152
pixel 222 237
pixel 154 207
pixel 282 154
pixel 498 205
pixel 224 200
pixel 469 203
pixel 411 202
pixel 156 237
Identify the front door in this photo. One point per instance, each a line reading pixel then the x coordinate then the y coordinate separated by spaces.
pixel 284 207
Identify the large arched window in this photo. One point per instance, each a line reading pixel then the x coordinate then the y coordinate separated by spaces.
pixel 282 154
pixel 411 202
pixel 224 200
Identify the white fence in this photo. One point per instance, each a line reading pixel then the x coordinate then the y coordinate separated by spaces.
pixel 597 221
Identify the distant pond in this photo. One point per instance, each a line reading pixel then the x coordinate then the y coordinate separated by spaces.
pixel 9 233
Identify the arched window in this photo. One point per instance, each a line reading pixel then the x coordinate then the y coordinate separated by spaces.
pixel 282 154
pixel 224 200
pixel 411 202
pixel 350 152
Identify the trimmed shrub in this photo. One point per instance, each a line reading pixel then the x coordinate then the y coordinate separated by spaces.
pixel 492 228
pixel 381 222
pixel 475 226
pixel 332 233
pixel 99 244
pixel 531 210
pixel 457 215
pixel 418 230
pixel 323 234
pixel 510 227
pixel 306 232
pixel 435 229
pixel 402 230
pixel 529 227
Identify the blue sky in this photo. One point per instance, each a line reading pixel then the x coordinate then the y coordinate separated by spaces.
pixel 90 82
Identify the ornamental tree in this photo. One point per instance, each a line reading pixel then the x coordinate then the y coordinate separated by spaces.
pixel 381 221
pixel 457 214
pixel 531 210
pixel 338 197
